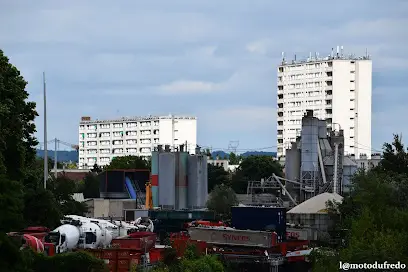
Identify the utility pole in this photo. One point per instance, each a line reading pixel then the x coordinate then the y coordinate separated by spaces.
pixel 45 136
pixel 55 157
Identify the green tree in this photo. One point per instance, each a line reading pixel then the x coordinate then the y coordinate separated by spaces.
pixel 128 162
pixel 254 168
pixel 17 127
pixel 11 202
pixel 91 186
pixel 216 176
pixel 41 208
pixel 221 199
pixel 234 159
pixel 17 153
pixel 375 214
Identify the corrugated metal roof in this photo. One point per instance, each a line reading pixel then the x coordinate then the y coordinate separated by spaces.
pixel 316 204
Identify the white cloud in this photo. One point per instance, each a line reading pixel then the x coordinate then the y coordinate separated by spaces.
pixel 103 60
pixel 187 87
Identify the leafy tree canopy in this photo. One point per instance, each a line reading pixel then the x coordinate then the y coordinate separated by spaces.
pixel 16 123
pixel 234 159
pixel 375 214
pixel 254 168
pixel 216 176
pixel 128 162
pixel 221 199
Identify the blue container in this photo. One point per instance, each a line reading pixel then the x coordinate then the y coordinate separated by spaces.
pixel 261 219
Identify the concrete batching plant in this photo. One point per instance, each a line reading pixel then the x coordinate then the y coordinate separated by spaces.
pixel 179 180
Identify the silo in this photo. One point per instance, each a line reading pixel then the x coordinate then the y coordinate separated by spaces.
pixel 309 150
pixel 197 181
pixel 155 178
pixel 181 180
pixel 167 181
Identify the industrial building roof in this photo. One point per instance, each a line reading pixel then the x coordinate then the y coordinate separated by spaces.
pixel 316 204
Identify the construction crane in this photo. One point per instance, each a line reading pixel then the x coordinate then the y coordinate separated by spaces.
pixel 57 143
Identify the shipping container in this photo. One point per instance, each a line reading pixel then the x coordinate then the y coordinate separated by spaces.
pixel 233 237
pixel 142 242
pixel 167 180
pixel 261 219
pixel 297 234
pixel 197 181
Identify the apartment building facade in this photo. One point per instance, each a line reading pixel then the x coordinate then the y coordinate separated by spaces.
pixel 337 88
pixel 102 140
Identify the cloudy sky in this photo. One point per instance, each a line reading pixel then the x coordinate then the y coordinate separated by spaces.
pixel 215 59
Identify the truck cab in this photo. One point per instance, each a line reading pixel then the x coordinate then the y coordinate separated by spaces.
pixel 58 240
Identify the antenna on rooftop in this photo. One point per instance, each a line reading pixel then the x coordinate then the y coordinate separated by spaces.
pixel 341 52
pixel 332 53
pixel 283 56
pixel 337 54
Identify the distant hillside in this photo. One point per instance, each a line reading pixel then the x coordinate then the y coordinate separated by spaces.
pixel 62 156
pixel 66 156
pixel 223 154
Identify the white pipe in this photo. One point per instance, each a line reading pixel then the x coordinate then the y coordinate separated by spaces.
pixel 319 152
pixel 336 153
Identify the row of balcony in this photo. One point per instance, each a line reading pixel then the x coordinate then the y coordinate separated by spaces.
pixel 129 125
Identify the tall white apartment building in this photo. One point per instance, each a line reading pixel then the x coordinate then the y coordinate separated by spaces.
pixel 102 140
pixel 337 88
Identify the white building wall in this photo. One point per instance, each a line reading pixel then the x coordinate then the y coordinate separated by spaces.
pixel 102 140
pixel 363 108
pixel 337 90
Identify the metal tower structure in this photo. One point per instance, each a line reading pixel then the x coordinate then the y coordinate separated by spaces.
pixel 233 145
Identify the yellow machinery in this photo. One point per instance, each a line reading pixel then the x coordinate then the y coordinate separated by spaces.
pixel 149 198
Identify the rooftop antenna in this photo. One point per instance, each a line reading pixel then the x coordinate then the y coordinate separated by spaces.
pixel 283 57
pixel 337 54
pixel 310 55
pixel 342 49
pixel 366 53
pixel 332 53
pixel 295 57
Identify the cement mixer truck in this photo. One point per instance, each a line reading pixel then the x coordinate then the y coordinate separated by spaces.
pixel 81 233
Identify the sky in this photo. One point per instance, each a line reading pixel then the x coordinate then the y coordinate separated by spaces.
pixel 216 60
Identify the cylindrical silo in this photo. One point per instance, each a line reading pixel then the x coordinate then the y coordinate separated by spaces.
pixel 197 181
pixel 203 193
pixel 181 182
pixel 167 180
pixel 155 178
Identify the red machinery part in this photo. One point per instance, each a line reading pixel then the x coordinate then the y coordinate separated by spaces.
pixel 33 243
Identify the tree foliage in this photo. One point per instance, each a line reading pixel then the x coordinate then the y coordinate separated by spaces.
pixel 128 162
pixel 191 261
pixel 216 176
pixel 91 186
pixel 375 214
pixel 254 168
pixel 221 199
pixel 234 159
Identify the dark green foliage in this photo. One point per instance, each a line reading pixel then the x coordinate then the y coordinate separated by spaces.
pixel 11 204
pixel 16 123
pixel 41 208
pixel 68 262
pixel 91 186
pixel 234 159
pixel 11 258
pixel 221 199
pixel 216 176
pixel 254 168
pixel 375 214
pixel 192 261
pixel 128 162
